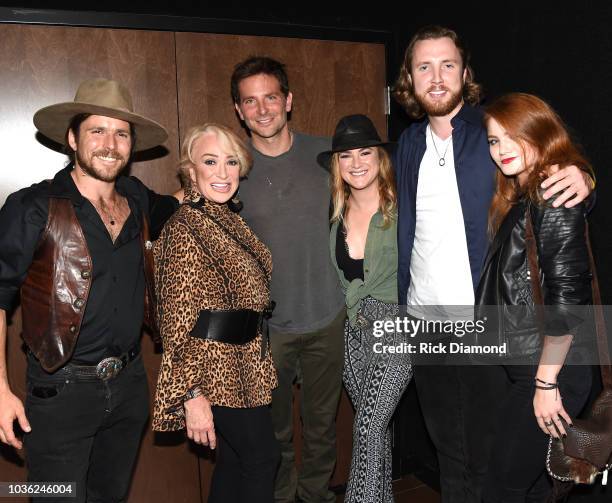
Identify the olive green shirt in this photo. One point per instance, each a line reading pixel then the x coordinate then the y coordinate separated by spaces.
pixel 379 266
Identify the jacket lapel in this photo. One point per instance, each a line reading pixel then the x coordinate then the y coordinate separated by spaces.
pixel 505 228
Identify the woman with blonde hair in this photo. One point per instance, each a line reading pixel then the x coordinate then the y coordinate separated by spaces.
pixel 526 137
pixel 363 245
pixel 212 279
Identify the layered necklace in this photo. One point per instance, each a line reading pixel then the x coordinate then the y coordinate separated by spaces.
pixel 441 158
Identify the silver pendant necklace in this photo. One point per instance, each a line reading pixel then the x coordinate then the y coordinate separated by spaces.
pixel 441 158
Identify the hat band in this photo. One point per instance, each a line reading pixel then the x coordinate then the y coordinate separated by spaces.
pixel 352 143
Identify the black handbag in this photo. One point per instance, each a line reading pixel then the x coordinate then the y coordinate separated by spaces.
pixel 586 451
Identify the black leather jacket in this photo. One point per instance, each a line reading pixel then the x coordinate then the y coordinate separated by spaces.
pixel 564 274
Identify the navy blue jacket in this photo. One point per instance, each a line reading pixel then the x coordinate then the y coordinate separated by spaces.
pixel 475 178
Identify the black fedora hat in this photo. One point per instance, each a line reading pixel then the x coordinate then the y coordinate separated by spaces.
pixel 352 131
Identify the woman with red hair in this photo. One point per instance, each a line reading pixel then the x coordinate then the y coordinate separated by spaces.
pixel 526 138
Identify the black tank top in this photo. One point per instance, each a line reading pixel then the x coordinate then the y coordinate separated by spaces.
pixel 351 268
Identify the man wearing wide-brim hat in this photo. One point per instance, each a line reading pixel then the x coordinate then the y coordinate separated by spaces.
pixel 76 248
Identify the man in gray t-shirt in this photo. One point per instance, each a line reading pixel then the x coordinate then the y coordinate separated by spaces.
pixel 286 203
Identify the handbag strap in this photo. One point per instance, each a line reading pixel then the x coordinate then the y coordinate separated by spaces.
pixel 538 298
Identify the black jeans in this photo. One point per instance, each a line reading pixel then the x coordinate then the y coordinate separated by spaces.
pixel 518 462
pixel 88 433
pixel 247 456
pixel 460 405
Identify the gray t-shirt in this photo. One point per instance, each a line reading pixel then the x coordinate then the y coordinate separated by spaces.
pixel 286 203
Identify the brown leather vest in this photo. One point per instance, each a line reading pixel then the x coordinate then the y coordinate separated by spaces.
pixel 55 291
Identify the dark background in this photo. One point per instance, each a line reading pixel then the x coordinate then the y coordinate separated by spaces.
pixel 561 52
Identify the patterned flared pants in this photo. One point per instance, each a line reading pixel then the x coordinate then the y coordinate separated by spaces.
pixel 375 381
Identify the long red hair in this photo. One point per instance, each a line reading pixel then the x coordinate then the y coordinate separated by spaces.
pixel 531 121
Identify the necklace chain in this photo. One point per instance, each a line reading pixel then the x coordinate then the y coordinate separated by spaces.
pixel 441 158
pixel 268 180
pixel 108 216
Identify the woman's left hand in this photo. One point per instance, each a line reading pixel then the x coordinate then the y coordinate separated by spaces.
pixel 548 408
pixel 199 421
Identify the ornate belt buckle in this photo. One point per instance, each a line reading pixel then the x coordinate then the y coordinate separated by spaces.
pixel 109 368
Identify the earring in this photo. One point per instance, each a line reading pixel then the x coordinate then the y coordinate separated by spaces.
pixel 192 193
pixel 235 203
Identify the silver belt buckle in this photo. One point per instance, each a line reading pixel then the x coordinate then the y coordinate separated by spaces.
pixel 109 368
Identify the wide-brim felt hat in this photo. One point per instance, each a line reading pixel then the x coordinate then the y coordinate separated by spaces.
pixel 353 131
pixel 99 97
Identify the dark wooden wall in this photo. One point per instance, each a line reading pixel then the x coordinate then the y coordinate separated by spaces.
pixel 180 80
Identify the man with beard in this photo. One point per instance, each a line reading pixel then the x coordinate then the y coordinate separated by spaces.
pixel 76 248
pixel 445 180
pixel 286 201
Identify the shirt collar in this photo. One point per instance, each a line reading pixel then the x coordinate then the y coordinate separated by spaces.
pixel 467 113
pixel 63 186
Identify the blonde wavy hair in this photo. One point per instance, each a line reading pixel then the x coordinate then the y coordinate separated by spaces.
pixel 340 190
pixel 229 140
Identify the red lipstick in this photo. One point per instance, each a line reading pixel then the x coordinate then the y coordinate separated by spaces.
pixel 508 160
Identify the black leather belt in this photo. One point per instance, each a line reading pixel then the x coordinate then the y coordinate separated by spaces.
pixel 105 369
pixel 231 327
pixel 238 326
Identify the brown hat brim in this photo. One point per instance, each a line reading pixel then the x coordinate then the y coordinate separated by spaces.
pixel 53 122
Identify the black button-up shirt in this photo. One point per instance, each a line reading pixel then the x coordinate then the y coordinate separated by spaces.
pixel 115 307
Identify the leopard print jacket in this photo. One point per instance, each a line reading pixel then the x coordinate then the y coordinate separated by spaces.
pixel 200 265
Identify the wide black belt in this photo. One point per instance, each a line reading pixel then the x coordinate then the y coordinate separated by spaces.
pixel 228 326
pixel 235 326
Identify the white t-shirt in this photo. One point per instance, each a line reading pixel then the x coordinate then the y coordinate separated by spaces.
pixel 440 272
